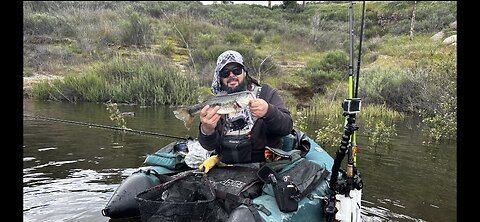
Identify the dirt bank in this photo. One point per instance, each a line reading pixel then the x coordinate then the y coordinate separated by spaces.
pixel 29 80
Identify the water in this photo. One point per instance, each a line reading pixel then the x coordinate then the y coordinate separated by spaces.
pixel 70 171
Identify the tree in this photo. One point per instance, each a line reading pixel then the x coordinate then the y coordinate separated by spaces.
pixel 315 21
pixel 290 5
pixel 413 19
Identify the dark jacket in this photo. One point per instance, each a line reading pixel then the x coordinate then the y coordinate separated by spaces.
pixel 267 131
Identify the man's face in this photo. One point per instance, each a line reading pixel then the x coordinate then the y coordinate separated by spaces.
pixel 232 82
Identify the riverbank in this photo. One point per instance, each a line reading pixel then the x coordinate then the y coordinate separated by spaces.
pixel 28 81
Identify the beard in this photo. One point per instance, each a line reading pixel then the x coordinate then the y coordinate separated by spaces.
pixel 242 86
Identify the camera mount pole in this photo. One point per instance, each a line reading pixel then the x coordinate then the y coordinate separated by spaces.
pixel 349 190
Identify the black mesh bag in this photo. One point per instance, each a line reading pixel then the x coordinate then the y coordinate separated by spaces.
pixel 187 197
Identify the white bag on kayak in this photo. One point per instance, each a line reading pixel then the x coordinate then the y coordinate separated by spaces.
pixel 196 154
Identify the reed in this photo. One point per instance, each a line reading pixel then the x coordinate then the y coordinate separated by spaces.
pixel 142 80
pixel 376 121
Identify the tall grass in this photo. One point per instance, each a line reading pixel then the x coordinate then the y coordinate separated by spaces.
pixel 377 121
pixel 144 80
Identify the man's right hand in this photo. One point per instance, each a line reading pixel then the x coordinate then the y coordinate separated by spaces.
pixel 209 119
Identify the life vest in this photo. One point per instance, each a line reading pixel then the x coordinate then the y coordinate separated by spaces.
pixel 237 144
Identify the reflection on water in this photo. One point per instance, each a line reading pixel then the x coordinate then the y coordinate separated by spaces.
pixel 76 197
pixel 70 171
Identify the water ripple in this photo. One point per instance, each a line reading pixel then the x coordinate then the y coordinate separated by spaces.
pixel 64 199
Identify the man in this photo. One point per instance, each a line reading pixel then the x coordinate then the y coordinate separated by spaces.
pixel 265 121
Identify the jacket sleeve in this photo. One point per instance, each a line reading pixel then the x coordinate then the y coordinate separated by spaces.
pixel 210 142
pixel 278 119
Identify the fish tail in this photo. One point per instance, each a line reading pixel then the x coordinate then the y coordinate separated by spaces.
pixel 183 114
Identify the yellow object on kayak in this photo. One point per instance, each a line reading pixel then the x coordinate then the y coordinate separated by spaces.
pixel 209 163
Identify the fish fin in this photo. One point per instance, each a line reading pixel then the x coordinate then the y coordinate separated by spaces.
pixel 189 120
pixel 204 97
pixel 222 93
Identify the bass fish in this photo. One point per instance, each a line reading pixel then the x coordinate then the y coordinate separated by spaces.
pixel 229 104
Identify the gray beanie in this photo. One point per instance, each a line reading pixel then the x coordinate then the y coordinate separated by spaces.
pixel 223 59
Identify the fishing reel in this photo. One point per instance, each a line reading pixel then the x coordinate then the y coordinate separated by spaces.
pixel 351 106
pixel 342 183
pixel 357 181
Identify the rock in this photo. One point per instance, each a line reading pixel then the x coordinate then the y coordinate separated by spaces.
pixel 453 25
pixel 450 40
pixel 438 36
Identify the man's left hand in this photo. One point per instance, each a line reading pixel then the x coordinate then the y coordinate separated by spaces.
pixel 258 107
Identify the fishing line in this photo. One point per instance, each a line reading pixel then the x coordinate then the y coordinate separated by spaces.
pixel 141 132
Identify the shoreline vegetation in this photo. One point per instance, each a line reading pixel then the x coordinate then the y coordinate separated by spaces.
pixel 163 53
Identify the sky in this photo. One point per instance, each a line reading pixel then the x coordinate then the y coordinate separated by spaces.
pixel 265 3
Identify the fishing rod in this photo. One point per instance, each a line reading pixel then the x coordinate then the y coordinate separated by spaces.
pixel 348 187
pixel 354 137
pixel 360 49
pixel 141 132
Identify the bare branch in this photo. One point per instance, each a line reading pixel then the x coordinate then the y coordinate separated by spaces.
pixel 183 39
pixel 261 63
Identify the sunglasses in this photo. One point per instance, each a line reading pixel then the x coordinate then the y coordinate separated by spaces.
pixel 237 70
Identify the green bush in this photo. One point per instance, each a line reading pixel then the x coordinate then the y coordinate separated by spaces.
pixel 380 133
pixel 433 16
pixel 258 36
pixel 38 6
pixel 207 40
pixel 46 24
pixel 137 30
pixel 330 40
pixel 209 55
pixel 43 90
pixel 441 125
pixel 395 87
pixel 235 38
pixel 329 134
pixel 379 82
pixel 320 73
pixel 440 117
pixel 168 47
pixel 87 87
pixel 335 60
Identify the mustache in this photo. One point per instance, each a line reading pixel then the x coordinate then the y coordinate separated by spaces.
pixel 230 79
